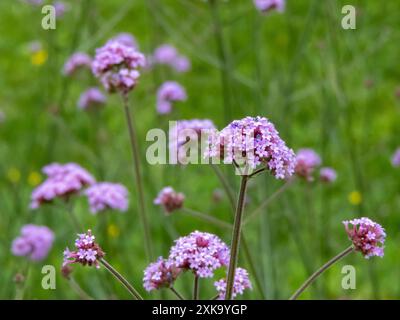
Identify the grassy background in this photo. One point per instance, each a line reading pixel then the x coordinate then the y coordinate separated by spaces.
pixel 300 69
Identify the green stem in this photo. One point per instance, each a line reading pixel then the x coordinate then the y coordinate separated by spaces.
pixel 225 185
pixel 180 297
pixel 207 218
pixel 196 288
pixel 317 273
pixel 138 178
pixel 79 291
pixel 121 279
pixel 235 243
pixel 77 225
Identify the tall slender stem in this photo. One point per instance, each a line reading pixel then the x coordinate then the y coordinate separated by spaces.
pixel 77 225
pixel 196 288
pixel 235 243
pixel 180 297
pixel 225 185
pixel 317 273
pixel 138 177
pixel 121 279
pixel 207 218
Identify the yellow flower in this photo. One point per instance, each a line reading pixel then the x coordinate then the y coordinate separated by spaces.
pixel 34 178
pixel 39 57
pixel 355 198
pixel 113 231
pixel 13 175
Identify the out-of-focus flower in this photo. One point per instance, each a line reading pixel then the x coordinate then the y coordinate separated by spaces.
pixel 160 274
pixel 267 5
pixel 34 178
pixel 13 175
pixel 355 198
pixel 306 161
pixel 169 199
pixel 39 57
pixel 66 271
pixel 60 8
pixel 126 39
pixel 34 242
pixel 91 98
pixel 367 236
pixel 252 142
pixel 106 195
pixel 116 65
pixel 169 92
pixel 187 134
pixel 87 251
pixel 200 252
pixel 240 283
pixel 77 61
pixel 113 230
pixel 327 174
pixel 396 158
pixel 63 181
pixel 167 54
pixel 217 195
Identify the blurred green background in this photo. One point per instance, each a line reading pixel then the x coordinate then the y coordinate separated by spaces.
pixel 323 87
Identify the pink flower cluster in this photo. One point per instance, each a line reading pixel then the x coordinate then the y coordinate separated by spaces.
pixel 252 142
pixel 77 61
pixel 169 55
pixel 34 242
pixel 240 283
pixel 170 91
pixel 327 175
pixel 87 252
pixel 91 98
pixel 200 252
pixel 169 199
pixel 267 5
pixel 63 180
pixel 107 195
pixel 306 161
pixel 396 158
pixel 367 236
pixel 116 65
pixel 160 274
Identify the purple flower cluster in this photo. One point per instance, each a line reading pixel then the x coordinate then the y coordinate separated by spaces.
pixel 396 158
pixel 252 142
pixel 160 274
pixel 240 283
pixel 60 8
pixel 126 39
pixel 77 61
pixel 106 195
pixel 87 252
pixel 169 55
pixel 200 252
pixel 91 98
pixel 267 5
pixel 327 175
pixel 169 199
pixel 169 92
pixel 186 132
pixel 367 236
pixel 34 242
pixel 116 65
pixel 63 180
pixel 306 161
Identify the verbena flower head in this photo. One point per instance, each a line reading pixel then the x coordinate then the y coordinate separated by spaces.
pixel 306 161
pixel 181 64
pixel 91 98
pixel 396 158
pixel 77 61
pixel 63 181
pixel 160 274
pixel 169 199
pixel 187 134
pixel 34 242
pixel 327 174
pixel 61 8
pixel 126 39
pixel 240 283
pixel 267 5
pixel 200 252
pixel 253 141
pixel 367 236
pixel 87 251
pixel 116 65
pixel 167 54
pixel 106 195
pixel 169 92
